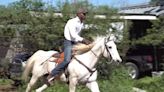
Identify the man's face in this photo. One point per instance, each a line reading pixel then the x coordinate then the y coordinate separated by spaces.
pixel 82 16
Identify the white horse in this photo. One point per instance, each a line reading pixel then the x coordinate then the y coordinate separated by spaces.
pixel 81 68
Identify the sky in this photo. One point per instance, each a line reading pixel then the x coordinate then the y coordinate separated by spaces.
pixel 112 3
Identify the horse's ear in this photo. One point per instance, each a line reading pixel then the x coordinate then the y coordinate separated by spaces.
pixel 107 39
pixel 111 37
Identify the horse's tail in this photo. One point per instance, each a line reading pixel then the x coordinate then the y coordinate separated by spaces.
pixel 29 66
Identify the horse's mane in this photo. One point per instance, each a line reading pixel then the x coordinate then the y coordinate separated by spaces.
pixel 98 38
pixel 82 48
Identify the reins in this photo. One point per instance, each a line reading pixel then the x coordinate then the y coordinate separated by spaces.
pixel 90 70
pixel 94 53
pixel 108 51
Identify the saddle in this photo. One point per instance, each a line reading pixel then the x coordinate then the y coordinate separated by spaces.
pixel 77 49
pixel 59 56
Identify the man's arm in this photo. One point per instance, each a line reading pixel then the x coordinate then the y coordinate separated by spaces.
pixel 73 33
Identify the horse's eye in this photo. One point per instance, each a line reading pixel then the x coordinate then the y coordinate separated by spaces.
pixel 110 47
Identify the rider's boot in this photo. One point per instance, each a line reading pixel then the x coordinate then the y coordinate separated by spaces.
pixel 50 79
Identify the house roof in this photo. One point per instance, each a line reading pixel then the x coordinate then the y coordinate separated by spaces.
pixel 143 9
pixel 138 17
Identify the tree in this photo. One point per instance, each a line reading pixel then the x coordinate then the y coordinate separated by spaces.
pixel 155 34
pixel 156 2
pixel 42 29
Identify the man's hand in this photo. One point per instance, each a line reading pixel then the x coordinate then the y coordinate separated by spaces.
pixel 85 41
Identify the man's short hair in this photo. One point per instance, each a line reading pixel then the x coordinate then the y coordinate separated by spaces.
pixel 81 10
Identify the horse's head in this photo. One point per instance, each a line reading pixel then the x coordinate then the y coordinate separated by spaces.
pixel 110 49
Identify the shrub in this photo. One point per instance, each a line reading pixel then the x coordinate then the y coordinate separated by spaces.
pixel 151 84
pixel 119 81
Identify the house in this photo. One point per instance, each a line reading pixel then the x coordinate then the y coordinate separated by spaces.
pixel 143 59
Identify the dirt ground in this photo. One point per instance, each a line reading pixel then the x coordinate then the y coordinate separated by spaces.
pixel 7 88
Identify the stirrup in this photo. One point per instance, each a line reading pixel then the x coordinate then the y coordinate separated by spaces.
pixel 50 79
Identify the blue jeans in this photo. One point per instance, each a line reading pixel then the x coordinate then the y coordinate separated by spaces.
pixel 67 58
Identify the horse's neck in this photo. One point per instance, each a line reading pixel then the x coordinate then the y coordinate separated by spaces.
pixel 93 56
pixel 96 51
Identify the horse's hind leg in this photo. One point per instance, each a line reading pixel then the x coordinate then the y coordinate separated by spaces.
pixel 31 83
pixel 93 86
pixel 42 88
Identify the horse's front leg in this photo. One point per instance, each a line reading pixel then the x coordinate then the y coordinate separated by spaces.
pixel 92 83
pixel 93 86
pixel 72 84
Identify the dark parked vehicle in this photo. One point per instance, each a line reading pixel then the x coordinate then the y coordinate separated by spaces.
pixel 142 59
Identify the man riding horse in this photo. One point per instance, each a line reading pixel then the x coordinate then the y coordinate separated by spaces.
pixel 72 32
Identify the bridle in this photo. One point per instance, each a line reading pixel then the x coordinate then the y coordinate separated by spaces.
pixel 106 47
pixel 91 70
pixel 108 52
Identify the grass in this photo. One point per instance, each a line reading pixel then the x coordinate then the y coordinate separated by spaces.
pixel 5 81
pixel 151 84
pixel 117 81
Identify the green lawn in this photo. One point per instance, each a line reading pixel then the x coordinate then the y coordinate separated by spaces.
pixel 118 81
